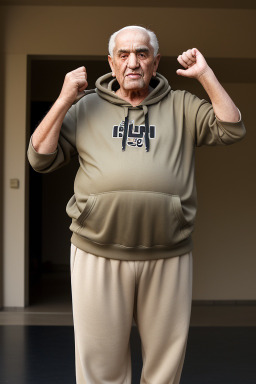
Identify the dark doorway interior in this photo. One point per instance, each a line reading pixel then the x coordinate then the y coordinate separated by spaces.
pixel 48 230
pixel 49 235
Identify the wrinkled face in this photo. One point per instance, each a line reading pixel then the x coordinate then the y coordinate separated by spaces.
pixel 133 62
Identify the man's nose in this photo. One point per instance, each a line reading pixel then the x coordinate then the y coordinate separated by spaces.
pixel 133 61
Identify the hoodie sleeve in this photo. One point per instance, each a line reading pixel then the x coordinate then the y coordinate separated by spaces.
pixel 66 148
pixel 206 128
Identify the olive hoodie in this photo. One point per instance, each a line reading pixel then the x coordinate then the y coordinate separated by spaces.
pixel 134 192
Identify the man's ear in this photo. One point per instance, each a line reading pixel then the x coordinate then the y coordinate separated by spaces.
pixel 156 62
pixel 110 61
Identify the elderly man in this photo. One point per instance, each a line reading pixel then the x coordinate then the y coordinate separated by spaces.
pixel 134 202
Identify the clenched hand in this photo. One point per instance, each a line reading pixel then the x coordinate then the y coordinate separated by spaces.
pixel 74 84
pixel 194 63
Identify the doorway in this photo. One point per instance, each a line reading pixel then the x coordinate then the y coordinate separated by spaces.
pixel 49 235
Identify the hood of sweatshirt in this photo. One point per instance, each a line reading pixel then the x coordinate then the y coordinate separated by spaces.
pixel 106 87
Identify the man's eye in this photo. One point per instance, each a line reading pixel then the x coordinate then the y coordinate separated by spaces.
pixel 142 55
pixel 124 56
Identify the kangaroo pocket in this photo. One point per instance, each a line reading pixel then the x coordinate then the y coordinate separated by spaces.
pixel 133 219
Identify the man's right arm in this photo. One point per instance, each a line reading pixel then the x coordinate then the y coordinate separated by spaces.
pixel 46 136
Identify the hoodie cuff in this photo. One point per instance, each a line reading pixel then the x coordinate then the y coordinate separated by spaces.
pixel 240 118
pixel 40 161
pixel 230 132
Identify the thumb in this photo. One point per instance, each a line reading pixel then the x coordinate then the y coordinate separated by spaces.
pixel 181 72
pixel 83 87
pixel 194 51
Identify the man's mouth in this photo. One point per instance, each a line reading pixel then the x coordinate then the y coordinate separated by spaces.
pixel 133 75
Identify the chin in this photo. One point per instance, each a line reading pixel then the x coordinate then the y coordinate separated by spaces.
pixel 134 85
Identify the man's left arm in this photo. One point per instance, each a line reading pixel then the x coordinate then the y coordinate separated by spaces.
pixel 196 67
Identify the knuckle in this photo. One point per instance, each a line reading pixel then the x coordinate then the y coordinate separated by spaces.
pixel 82 70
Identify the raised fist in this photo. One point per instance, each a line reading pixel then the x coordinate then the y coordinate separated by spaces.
pixel 194 63
pixel 74 84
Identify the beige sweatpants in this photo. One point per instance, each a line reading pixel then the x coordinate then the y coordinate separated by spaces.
pixel 107 294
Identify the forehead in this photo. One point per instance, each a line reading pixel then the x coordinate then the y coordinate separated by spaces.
pixel 130 39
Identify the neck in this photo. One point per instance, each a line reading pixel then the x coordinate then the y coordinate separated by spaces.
pixel 133 97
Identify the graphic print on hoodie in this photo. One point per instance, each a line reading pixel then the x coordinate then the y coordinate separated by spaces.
pixel 136 134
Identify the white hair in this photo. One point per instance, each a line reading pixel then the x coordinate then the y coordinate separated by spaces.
pixel 152 39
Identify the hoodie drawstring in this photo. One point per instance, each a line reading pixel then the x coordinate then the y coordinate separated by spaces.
pixel 126 123
pixel 145 110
